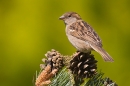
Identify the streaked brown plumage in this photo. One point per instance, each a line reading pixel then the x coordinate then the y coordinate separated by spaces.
pixel 82 36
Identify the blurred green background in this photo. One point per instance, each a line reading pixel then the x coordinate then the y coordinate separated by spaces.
pixel 29 28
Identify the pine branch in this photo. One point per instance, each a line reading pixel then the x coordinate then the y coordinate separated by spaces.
pixel 80 69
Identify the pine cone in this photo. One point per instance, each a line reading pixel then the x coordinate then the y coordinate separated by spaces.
pixel 84 65
pixel 109 82
pixel 54 58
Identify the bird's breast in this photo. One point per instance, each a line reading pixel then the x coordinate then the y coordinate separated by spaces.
pixel 80 45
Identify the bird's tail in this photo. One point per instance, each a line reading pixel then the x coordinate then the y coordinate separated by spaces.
pixel 103 53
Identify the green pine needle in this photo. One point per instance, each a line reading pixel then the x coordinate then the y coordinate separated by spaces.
pixel 96 80
pixel 63 78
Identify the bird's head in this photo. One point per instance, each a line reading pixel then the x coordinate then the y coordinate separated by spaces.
pixel 70 17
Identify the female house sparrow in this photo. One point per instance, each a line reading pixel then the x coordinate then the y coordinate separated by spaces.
pixel 82 36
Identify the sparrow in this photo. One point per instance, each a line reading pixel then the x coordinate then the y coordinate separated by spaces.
pixel 82 36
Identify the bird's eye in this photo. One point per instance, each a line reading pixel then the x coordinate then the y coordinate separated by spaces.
pixel 69 16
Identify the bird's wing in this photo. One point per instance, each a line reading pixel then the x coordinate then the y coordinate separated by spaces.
pixel 84 31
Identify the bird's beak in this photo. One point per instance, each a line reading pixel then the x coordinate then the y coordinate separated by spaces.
pixel 62 17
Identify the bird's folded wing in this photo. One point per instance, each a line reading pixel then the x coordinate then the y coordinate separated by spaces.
pixel 83 31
